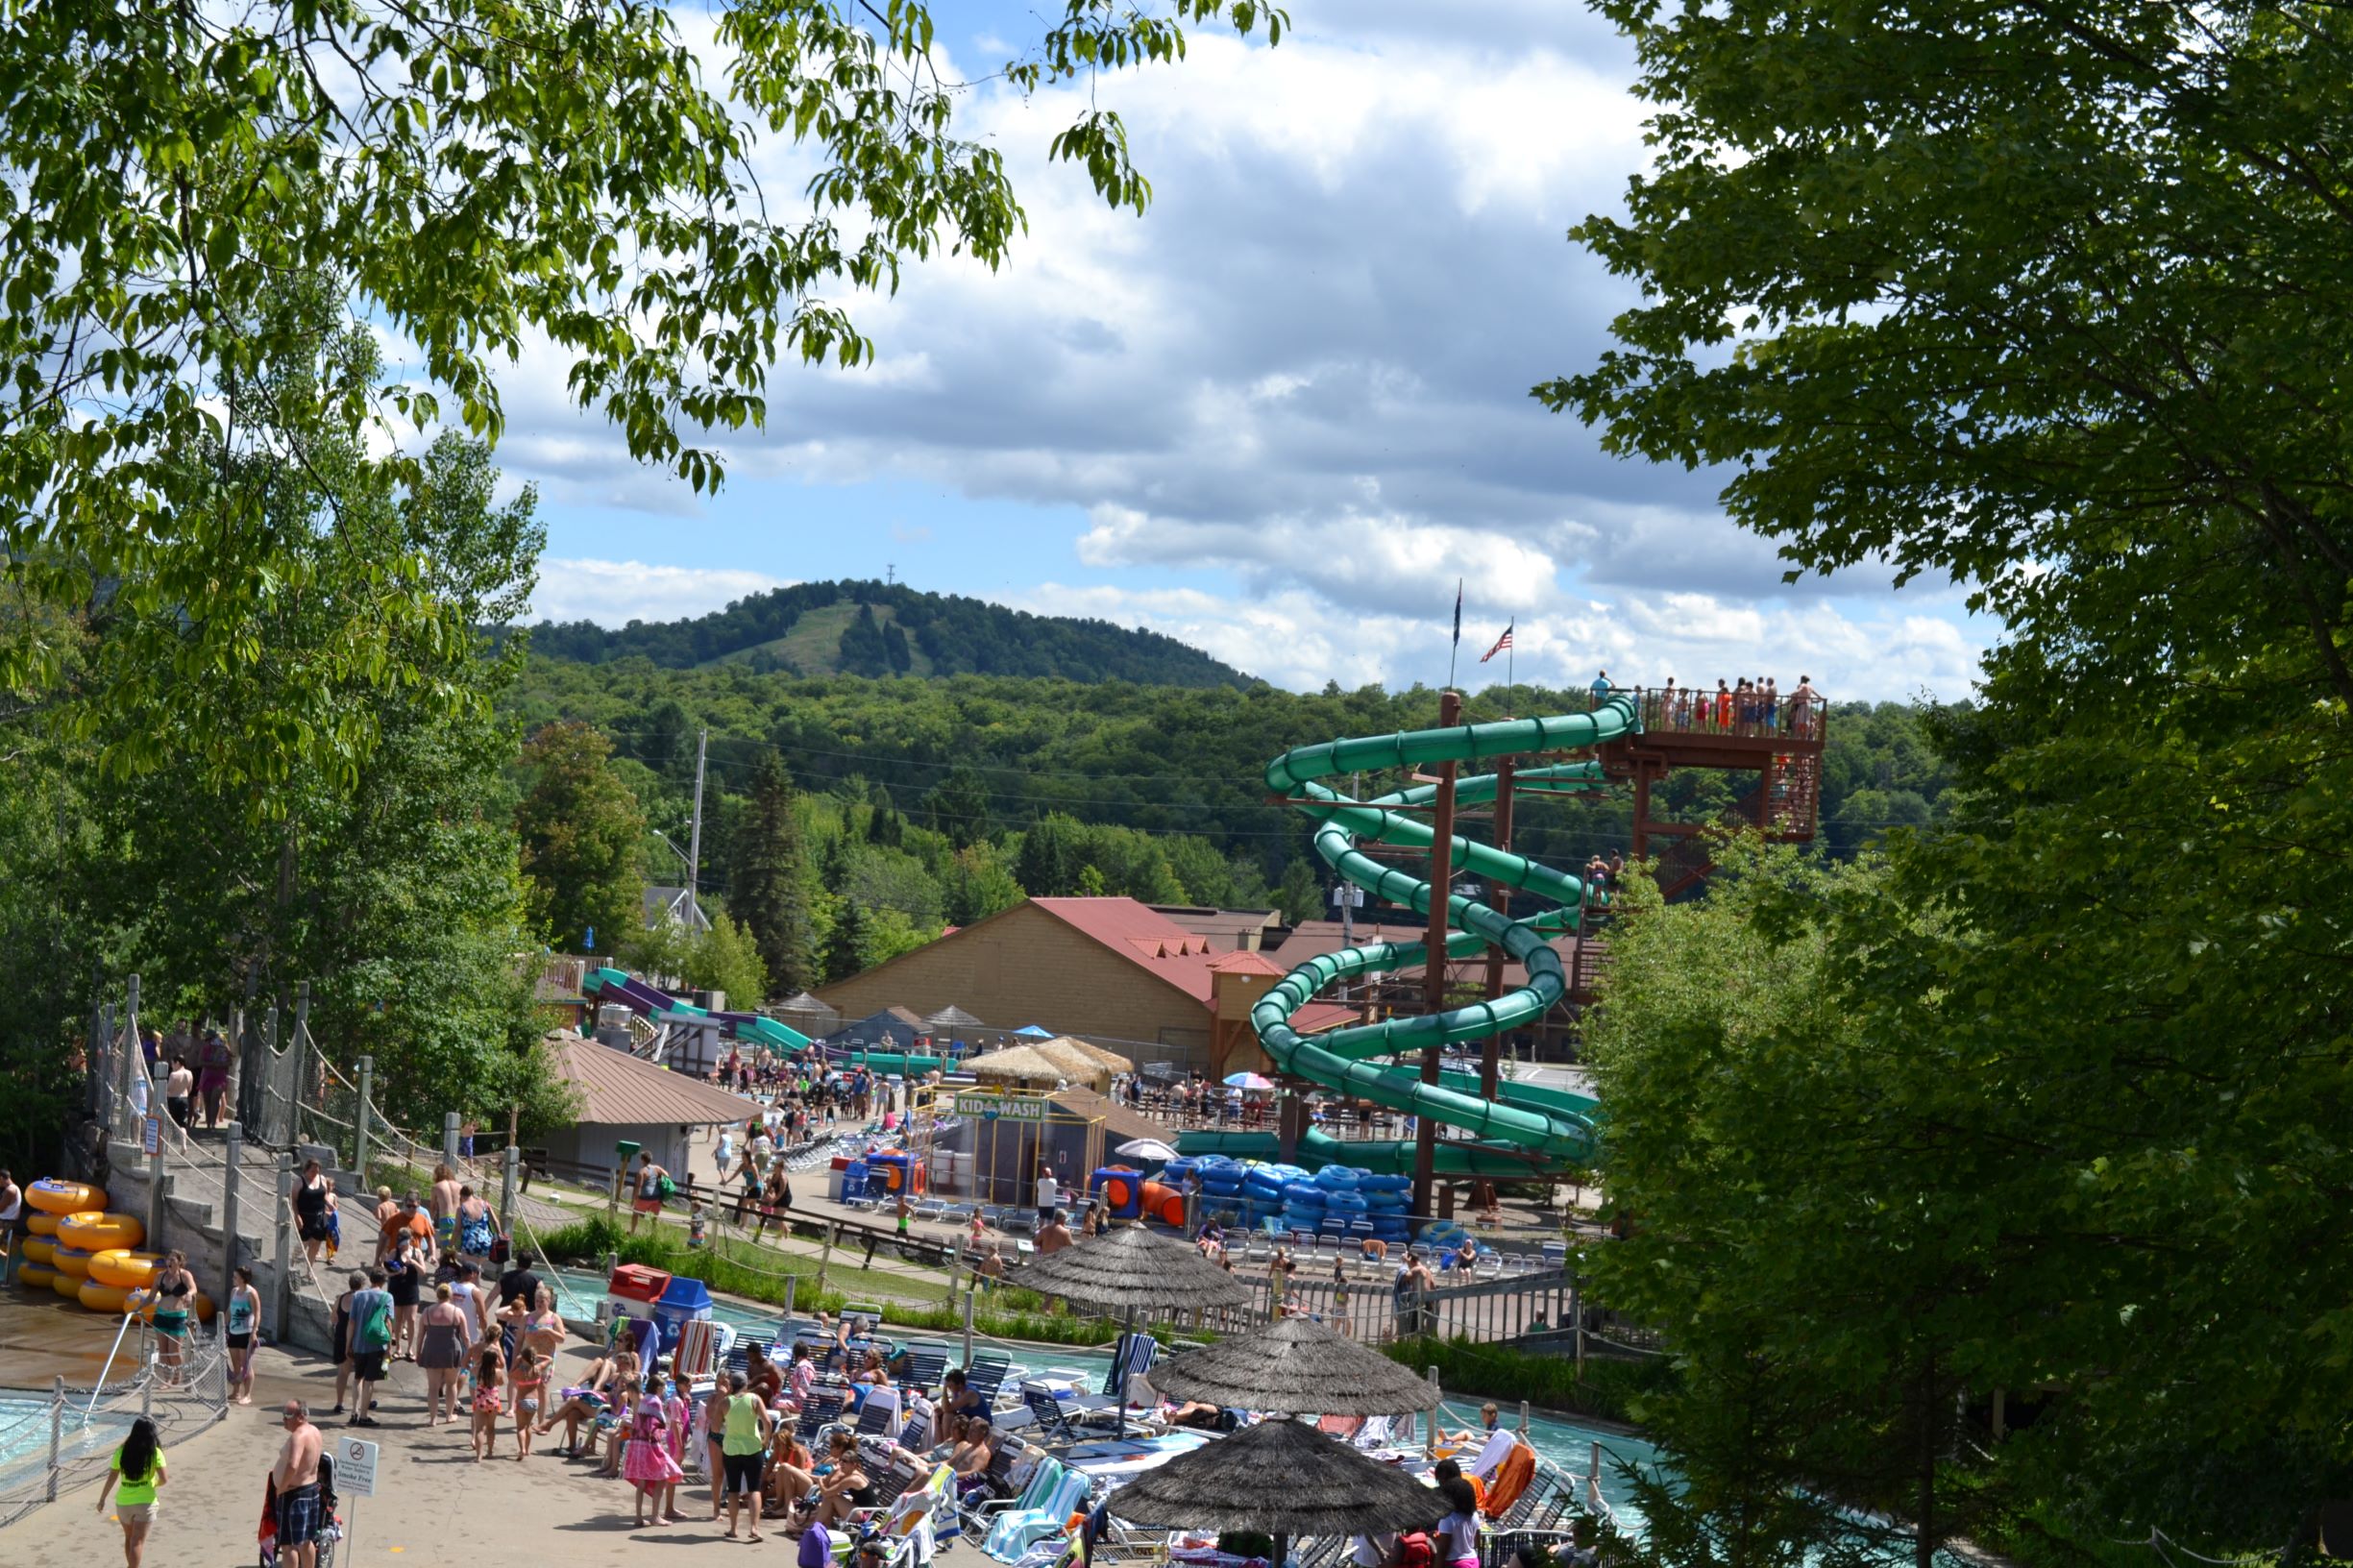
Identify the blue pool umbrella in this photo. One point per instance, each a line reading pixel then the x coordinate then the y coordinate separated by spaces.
pixel 1033 1032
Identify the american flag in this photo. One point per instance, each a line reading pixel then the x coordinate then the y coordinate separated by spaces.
pixel 1501 643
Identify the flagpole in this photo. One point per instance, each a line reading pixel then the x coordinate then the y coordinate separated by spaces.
pixel 1456 653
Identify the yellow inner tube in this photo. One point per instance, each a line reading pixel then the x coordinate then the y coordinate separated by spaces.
pixel 72 1262
pixel 103 1298
pixel 52 1197
pixel 36 1276
pixel 128 1269
pixel 102 1231
pixel 40 1249
pixel 40 1224
pixel 66 1286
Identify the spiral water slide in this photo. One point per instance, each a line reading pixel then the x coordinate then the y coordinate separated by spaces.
pixel 1525 1126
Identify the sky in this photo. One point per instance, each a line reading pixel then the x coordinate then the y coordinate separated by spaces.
pixel 1279 415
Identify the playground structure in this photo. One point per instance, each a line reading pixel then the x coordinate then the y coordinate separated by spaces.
pixel 1516 1131
pixel 673 1025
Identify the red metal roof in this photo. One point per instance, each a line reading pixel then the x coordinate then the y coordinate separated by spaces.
pixel 1161 947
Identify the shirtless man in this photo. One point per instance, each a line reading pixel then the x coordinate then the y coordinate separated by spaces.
pixel 296 1476
pixel 1053 1235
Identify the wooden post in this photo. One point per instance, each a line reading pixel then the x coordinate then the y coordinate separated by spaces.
pixel 360 1120
pixel 233 1142
pixel 1499 900
pixel 824 1259
pixel 969 1293
pixel 1434 975
pixel 282 1289
pixel 1430 1434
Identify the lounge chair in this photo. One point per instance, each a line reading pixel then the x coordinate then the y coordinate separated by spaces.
pixel 1016 1530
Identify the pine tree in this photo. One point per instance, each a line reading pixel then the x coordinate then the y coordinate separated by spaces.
pixel 844 943
pixel 1301 896
pixel 767 879
pixel 863 651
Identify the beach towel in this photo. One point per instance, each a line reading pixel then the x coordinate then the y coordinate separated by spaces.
pixel 1512 1478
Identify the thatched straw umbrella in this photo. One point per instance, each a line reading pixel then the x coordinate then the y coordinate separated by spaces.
pixel 1297 1367
pixel 1044 1061
pixel 1282 1477
pixel 1111 1060
pixel 1131 1269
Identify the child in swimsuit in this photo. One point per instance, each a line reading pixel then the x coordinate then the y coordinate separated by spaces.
pixel 488 1402
pixel 527 1380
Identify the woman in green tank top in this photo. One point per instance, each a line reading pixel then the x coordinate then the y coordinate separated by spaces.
pixel 744 1451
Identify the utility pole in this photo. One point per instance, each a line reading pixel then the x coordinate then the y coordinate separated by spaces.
pixel 1434 981
pixel 1499 900
pixel 694 840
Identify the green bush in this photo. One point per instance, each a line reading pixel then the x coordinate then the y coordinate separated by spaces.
pixel 1610 1389
pixel 1007 1315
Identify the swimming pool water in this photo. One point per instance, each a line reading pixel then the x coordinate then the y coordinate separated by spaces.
pixel 24 1437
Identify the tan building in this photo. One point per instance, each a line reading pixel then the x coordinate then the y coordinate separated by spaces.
pixel 1109 969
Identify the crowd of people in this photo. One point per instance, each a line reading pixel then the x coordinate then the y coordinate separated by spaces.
pixel 1749 705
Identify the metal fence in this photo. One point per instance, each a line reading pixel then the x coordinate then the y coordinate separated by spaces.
pixel 70 1438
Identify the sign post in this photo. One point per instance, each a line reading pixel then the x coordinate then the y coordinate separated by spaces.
pixel 355 1478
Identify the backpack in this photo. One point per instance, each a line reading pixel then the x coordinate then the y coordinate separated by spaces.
pixel 1414 1551
pixel 375 1330
pixel 665 1189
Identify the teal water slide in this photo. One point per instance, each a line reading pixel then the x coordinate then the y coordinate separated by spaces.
pixel 610 985
pixel 1525 1128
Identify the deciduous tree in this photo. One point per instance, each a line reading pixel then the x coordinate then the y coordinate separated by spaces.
pixel 579 826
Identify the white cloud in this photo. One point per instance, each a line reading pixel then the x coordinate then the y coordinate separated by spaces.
pixel 615 593
pixel 1294 638
pixel 1305 372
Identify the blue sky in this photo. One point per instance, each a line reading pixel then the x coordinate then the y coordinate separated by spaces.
pixel 1279 414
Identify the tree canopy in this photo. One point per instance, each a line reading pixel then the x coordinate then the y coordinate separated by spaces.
pixel 473 178
pixel 2053 301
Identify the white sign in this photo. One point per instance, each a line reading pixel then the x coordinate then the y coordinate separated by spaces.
pixel 354 1467
pixel 150 1135
pixel 996 1105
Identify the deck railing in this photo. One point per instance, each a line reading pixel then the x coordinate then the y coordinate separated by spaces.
pixel 1760 713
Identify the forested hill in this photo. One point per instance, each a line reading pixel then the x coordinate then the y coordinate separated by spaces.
pixel 876 628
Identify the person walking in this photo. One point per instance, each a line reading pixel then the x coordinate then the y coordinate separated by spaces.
pixel 444 1333
pixel 648 1182
pixel 743 1447
pixel 404 1272
pixel 243 1327
pixel 295 1476
pixel 489 1399
pixel 371 1315
pixel 133 1477
pixel 213 1060
pixel 311 1204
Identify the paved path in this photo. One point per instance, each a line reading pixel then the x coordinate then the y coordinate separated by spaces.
pixel 433 1504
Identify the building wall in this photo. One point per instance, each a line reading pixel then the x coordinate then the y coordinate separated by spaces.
pixel 674 1150
pixel 1027 967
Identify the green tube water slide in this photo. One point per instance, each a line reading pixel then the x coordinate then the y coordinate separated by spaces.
pixel 1525 1127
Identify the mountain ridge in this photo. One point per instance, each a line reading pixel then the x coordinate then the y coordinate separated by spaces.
pixel 862 628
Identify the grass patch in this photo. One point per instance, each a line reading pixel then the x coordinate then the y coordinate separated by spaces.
pixel 1002 1314
pixel 1610 1389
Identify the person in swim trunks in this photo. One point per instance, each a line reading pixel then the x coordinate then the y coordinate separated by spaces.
pixel 296 1478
